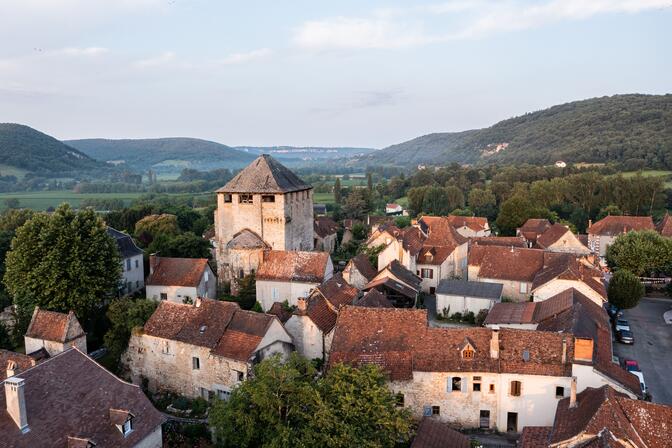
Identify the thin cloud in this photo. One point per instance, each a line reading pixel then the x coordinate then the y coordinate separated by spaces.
pixel 156 61
pixel 88 51
pixel 240 58
pixel 404 27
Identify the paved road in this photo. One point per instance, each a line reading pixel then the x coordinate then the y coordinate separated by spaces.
pixel 653 346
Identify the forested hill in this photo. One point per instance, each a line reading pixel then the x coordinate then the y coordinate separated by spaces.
pixel 164 154
pixel 608 129
pixel 30 150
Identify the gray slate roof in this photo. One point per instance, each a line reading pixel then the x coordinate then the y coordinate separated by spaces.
pixel 265 175
pixel 125 243
pixel 463 288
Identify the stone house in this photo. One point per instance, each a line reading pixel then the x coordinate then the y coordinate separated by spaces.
pixel 504 241
pixel 468 226
pixel 393 209
pixel 402 245
pixel 359 271
pixel 473 377
pixel 132 265
pixel 12 363
pixel 541 234
pixel 373 299
pixel 289 275
pixel 71 401
pixel 269 201
pixel 459 296
pixel 53 333
pixel 532 229
pixel 398 284
pixel 312 323
pixel 605 231
pixel 443 255
pixel 603 417
pixel 562 272
pixel 515 268
pixel 245 251
pixel 324 234
pixel 204 349
pixel 180 280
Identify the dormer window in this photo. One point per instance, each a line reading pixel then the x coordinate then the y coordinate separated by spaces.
pixel 467 349
pixel 123 420
pixel 468 353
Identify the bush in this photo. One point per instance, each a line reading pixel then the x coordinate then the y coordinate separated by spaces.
pixel 199 406
pixel 457 317
pixel 481 316
pixel 181 403
pixel 469 317
pixel 625 290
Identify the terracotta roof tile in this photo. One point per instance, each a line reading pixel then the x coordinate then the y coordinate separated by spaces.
pixel 237 345
pixel 475 223
pixel 535 437
pixel 247 239
pixel 374 299
pixel 506 263
pixel 52 326
pixel 551 235
pixel 322 313
pixel 279 311
pixel 504 241
pixel 177 271
pixel 615 225
pixel 81 409
pixel 20 361
pixel 265 175
pixel 309 267
pixel 337 291
pixel 324 226
pixel 665 226
pixel 363 265
pixel 436 434
pixel 533 227
pixel 511 313
pixel 568 267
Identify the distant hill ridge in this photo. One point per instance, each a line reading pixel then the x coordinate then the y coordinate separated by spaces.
pixel 171 154
pixel 31 150
pixel 615 128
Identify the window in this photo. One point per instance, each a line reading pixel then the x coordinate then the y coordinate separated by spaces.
pixel 559 392
pixel 137 264
pixel 436 410
pixel 238 375
pixel 456 384
pixel 468 353
pixel 245 199
pixel 195 363
pixel 128 427
pixel 515 388
pixel 427 273
pixel 477 384
pixel 492 388
pixel 523 287
pixel 275 294
pixel 268 198
pixel 484 422
pixel 137 283
pixel 164 296
pixel 128 264
pixel 205 393
pixel 399 400
pixel 228 198
pixel 223 394
pixel 512 421
pixel 166 348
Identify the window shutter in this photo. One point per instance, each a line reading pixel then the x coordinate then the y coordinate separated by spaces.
pixel 464 384
pixel 431 273
pixel 449 384
pixel 427 411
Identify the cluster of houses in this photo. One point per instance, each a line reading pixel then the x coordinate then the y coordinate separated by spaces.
pixel 540 365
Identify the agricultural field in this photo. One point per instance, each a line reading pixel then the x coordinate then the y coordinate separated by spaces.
pixel 647 173
pixel 323 198
pixel 6 170
pixel 42 200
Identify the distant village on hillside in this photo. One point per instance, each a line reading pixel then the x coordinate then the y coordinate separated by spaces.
pixel 467 338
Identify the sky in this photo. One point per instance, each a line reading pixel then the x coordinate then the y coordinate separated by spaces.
pixel 363 73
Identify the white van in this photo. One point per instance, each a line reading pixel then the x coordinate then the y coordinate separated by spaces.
pixel 640 375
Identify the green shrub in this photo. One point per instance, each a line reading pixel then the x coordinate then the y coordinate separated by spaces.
pixel 469 317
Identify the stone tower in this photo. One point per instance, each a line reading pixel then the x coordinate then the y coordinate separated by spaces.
pixel 265 206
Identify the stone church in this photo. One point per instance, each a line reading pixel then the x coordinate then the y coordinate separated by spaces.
pixel 264 207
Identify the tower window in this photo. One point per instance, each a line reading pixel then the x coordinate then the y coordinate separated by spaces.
pixel 228 198
pixel 244 198
pixel 268 198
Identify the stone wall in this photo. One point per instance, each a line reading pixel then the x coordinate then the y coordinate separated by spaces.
pixel 135 276
pixel 270 291
pixel 557 286
pixel 53 347
pixel 307 337
pixel 175 294
pixel 154 440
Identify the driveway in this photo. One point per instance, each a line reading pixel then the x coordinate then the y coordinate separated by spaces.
pixel 653 346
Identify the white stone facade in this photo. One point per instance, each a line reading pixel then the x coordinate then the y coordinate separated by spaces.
pixel 132 274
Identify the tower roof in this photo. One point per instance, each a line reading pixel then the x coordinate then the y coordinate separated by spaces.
pixel 265 175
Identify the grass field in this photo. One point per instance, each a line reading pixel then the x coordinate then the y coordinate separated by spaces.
pixel 647 173
pixel 6 170
pixel 323 198
pixel 42 200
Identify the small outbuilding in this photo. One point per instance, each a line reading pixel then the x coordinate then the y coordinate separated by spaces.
pixel 459 296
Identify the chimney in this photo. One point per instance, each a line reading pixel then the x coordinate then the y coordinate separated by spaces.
pixel 301 304
pixel 572 393
pixel 154 261
pixel 197 302
pixel 12 368
pixel 590 223
pixel 494 342
pixel 564 350
pixel 16 402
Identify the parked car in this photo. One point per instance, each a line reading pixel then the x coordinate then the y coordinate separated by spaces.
pixel 613 311
pixel 621 324
pixel 631 365
pixel 642 384
pixel 625 337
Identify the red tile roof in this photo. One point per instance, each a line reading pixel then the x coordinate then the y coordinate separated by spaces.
pixel 568 267
pixel 70 394
pixel 615 225
pixel 665 226
pixel 20 361
pixel 281 265
pixel 602 410
pixel 436 434
pixel 374 299
pixel 442 240
pixel 535 437
pixel 220 326
pixel 505 241
pixel 52 326
pixel 506 263
pixel 363 265
pixel 327 299
pixel 475 223
pixel 279 311
pixel 533 228
pixel 177 271
pixel 552 235
pixel 324 226
pixel 511 313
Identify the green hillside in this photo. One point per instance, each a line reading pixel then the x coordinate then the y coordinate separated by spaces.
pixel 26 150
pixel 164 154
pixel 608 129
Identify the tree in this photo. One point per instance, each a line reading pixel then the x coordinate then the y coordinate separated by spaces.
pixel 12 203
pixel 609 210
pixel 625 290
pixel 247 292
pixel 125 314
pixel 185 245
pixel 6 342
pixel 338 191
pixel 288 404
pixel 483 202
pixel 357 205
pixel 61 262
pixel 643 253
pixel 515 211
pixel 369 182
pixel 150 226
